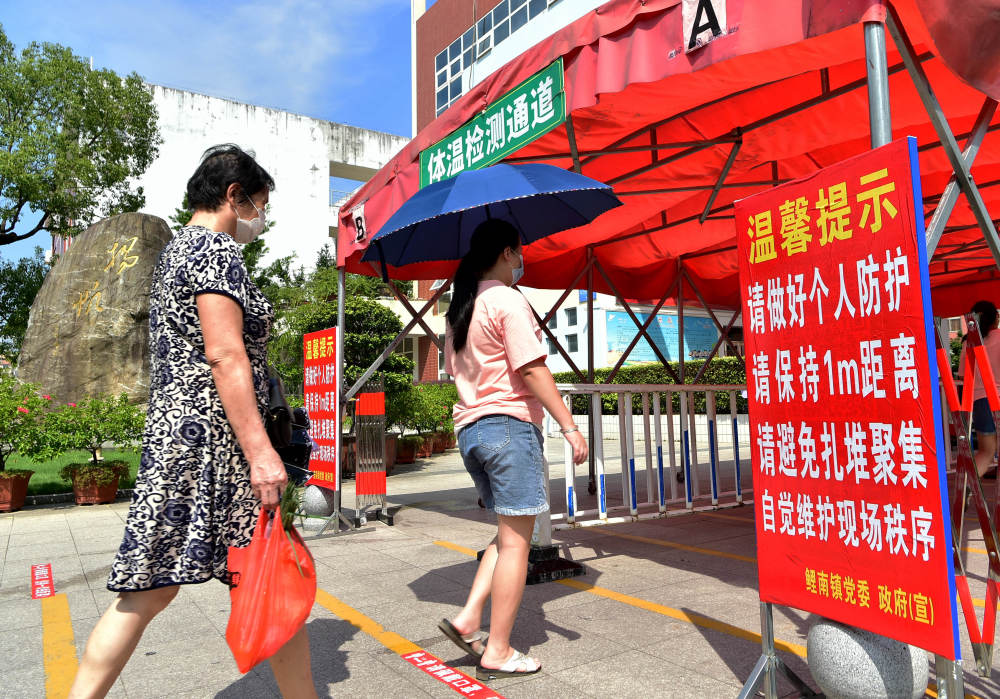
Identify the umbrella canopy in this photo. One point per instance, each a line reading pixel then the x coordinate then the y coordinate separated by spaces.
pixel 437 222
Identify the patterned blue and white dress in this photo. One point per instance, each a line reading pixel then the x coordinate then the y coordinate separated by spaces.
pixel 192 498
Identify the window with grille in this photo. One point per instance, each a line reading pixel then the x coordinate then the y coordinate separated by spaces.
pixel 495 26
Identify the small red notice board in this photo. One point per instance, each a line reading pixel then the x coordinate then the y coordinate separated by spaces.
pixel 41 581
pixel 850 493
pixel 322 395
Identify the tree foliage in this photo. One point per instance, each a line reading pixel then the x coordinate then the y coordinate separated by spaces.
pixel 309 304
pixel 23 421
pixel 71 141
pixel 87 425
pixel 19 284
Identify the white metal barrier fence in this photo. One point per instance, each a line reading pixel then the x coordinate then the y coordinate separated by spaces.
pixel 668 462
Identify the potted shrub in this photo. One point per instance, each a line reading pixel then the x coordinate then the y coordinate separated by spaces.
pixel 87 426
pixel 426 447
pixel 348 454
pixel 406 448
pixel 23 419
pixel 94 483
pixel 441 399
pixel 450 441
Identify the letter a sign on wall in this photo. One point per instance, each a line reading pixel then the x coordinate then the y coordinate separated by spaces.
pixel 704 21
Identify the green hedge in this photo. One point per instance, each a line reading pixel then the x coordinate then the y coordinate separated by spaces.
pixel 723 370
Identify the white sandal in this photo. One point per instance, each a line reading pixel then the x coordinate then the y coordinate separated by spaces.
pixel 519 664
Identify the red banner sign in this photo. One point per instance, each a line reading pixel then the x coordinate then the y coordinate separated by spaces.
pixel 322 395
pixel 850 492
pixel 459 681
pixel 41 581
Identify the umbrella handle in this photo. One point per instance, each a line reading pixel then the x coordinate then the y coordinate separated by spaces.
pixel 381 259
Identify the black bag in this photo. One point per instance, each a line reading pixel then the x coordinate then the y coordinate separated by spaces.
pixel 279 416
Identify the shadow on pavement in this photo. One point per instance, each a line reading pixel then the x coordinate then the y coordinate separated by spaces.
pixel 329 662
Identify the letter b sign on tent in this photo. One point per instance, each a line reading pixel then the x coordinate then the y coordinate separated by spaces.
pixel 704 21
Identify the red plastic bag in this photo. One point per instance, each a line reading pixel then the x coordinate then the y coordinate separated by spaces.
pixel 273 590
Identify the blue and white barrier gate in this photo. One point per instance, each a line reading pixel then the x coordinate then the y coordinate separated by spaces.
pixel 671 455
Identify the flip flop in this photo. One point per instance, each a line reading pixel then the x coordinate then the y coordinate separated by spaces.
pixel 519 664
pixel 464 642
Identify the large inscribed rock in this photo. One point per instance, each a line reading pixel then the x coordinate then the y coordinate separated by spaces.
pixel 88 330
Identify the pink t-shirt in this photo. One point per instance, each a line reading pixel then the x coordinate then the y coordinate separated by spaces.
pixel 992 344
pixel 503 337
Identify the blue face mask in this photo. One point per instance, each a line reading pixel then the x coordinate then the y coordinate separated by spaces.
pixel 518 271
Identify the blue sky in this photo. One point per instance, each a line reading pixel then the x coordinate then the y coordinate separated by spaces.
pixel 341 60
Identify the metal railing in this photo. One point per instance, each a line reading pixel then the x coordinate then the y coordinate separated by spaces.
pixel 668 462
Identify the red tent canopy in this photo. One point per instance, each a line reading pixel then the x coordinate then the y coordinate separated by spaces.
pixel 782 94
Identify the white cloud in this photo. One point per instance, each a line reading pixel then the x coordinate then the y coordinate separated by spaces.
pixel 288 54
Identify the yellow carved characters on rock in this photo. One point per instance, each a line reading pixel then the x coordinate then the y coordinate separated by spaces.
pixel 120 258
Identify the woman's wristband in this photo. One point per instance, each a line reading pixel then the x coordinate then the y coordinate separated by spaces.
pixel 569 430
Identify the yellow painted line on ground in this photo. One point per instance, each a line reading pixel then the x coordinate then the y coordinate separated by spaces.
pixel 695 619
pixel 456 547
pixel 719 515
pixel 932 692
pixel 682 547
pixel 58 646
pixel 390 639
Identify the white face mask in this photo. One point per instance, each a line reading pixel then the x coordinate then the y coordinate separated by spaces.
pixel 247 231
pixel 518 271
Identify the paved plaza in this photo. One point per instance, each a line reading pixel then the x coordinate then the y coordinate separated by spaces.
pixel 668 607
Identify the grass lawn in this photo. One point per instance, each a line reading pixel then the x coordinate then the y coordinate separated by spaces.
pixel 46 479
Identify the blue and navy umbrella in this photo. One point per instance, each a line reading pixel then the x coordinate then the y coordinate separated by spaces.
pixel 437 222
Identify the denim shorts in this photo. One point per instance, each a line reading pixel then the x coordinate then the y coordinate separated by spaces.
pixel 504 457
pixel 982 417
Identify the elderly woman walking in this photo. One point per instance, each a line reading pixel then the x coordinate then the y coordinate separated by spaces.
pixel 207 463
pixel 494 351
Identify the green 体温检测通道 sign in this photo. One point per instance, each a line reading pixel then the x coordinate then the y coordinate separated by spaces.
pixel 530 110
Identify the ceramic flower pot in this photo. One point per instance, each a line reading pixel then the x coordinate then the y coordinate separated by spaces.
pixel 438 444
pixel 406 452
pixel 13 490
pixel 425 450
pixel 88 492
pixel 390 452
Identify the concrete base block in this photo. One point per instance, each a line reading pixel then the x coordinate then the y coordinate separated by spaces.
pixel 317 502
pixel 849 663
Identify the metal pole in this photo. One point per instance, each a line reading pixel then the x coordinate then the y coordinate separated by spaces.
pixel 646 433
pixel 879 116
pixel 341 385
pixel 935 228
pixel 767 640
pixel 592 430
pixel 940 123
pixel 658 420
pixel 597 449
pixel 569 469
pixel 950 682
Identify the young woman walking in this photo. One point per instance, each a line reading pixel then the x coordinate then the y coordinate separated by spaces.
pixel 494 352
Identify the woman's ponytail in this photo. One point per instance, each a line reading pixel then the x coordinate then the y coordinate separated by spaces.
pixel 489 240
